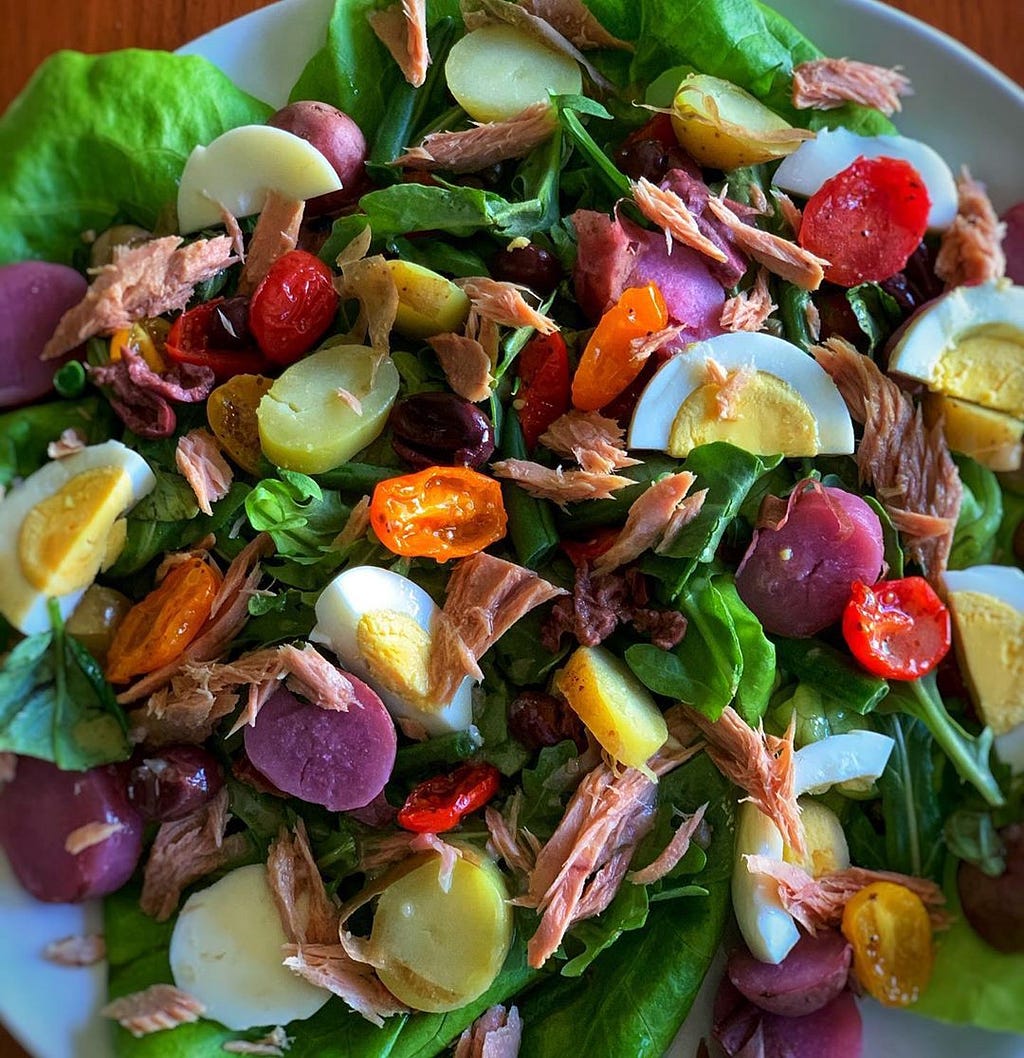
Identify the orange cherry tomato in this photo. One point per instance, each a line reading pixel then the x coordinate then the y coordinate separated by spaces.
pixel 888 926
pixel 440 512
pixel 610 362
pixel 156 630
pixel 231 413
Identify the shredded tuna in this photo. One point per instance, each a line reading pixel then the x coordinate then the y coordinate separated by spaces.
pixel 485 144
pixel 503 303
pixel 355 525
pixel 730 387
pixel 330 966
pixel 154 1009
pixel 307 912
pixel 402 29
pixel 596 442
pixel 971 250
pixel 69 442
pixel 311 675
pixel 449 854
pixel 371 282
pixel 466 365
pixel 780 256
pixel 649 518
pixel 759 764
pixel 154 278
pixel 234 230
pixel 813 320
pixel 90 834
pixel 908 464
pixel 824 84
pixel 200 463
pixel 78 950
pixel 666 209
pixel 186 850
pixel 576 22
pixel 673 852
pixel 749 309
pixel 558 485
pixel 506 842
pixel 275 234
pixel 791 213
pixel 497 1033
pixel 644 347
pixel 273 1045
pixel 200 549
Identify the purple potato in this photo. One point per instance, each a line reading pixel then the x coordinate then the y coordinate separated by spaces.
pixel 42 805
pixel 33 297
pixel 796 578
pixel 338 759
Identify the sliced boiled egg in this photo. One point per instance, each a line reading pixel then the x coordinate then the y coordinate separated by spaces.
pixel 379 624
pixel 755 391
pixel 993 438
pixel 62 525
pixel 226 951
pixel 832 150
pixel 239 167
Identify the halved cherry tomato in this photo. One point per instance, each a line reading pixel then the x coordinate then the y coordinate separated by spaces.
pixel 293 307
pixel 205 336
pixel 867 220
pixel 586 550
pixel 897 629
pixel 888 926
pixel 610 361
pixel 439 803
pixel 440 512
pixel 543 368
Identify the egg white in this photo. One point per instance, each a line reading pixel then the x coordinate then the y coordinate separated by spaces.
pixel 365 589
pixel 1005 583
pixel 20 602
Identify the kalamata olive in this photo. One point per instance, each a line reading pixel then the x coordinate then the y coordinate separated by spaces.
pixel 995 906
pixel 538 719
pixel 230 325
pixel 441 429
pixel 173 781
pixel 530 265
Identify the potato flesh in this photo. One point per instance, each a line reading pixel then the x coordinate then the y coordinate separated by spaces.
pixel 614 705
pixel 428 303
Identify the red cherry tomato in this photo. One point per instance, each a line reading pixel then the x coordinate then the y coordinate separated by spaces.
pixel 543 367
pixel 586 550
pixel 897 629
pixel 867 220
pixel 439 803
pixel 200 336
pixel 293 307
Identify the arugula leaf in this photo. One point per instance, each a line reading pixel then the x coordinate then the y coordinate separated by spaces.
pixel 301 517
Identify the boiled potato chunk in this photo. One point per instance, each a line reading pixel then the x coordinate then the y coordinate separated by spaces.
pixel 497 71
pixel 307 421
pixel 615 706
pixel 439 949
pixel 428 304
pixel 721 125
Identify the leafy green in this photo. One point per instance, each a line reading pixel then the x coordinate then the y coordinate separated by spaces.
pixel 830 673
pixel 878 313
pixel 301 517
pixel 972 836
pixel 981 514
pixel 545 788
pixel 892 552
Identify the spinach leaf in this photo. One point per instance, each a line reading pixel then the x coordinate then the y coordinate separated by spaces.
pixel 877 312
pixel 830 673
pixel 972 836
pixel 627 911
pixel 546 787
pixel 892 552
pixel 172 500
pixel 981 514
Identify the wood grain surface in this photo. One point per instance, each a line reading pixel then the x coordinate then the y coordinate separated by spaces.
pixel 32 29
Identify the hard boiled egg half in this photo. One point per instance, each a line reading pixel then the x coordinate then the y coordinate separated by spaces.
pixel 379 625
pixel 62 525
pixel 755 391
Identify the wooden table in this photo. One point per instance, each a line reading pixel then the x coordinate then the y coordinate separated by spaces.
pixel 33 29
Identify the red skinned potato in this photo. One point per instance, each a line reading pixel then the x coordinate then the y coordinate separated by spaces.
pixel 995 906
pixel 42 805
pixel 33 297
pixel 337 137
pixel 340 759
pixel 796 578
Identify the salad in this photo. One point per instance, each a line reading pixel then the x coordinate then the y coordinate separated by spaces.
pixel 497 545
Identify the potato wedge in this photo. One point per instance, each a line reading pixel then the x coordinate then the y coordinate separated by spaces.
pixel 428 303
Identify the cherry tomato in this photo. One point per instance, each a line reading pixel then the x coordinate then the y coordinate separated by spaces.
pixel 440 512
pixel 543 396
pixel 205 336
pixel 586 550
pixel 148 336
pixel 891 935
pixel 293 307
pixel 439 803
pixel 866 220
pixel 897 629
pixel 609 362
pixel 156 630
pixel 231 413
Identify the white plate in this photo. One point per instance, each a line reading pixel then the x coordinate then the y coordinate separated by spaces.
pixel 963 107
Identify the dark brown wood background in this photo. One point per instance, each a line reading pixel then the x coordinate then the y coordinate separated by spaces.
pixel 34 28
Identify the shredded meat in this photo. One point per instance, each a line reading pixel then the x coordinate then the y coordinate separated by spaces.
pixel 273 1045
pixel 200 463
pixel 503 303
pixel 402 29
pixel 507 842
pixel 466 365
pixel 79 950
pixel 276 232
pixel 791 213
pixel 673 852
pixel 69 442
pixel 151 279
pixel 330 966
pixel 369 281
pixel 824 84
pixel 596 442
pixel 186 850
pixel 908 464
pixel 749 309
pixel 318 681
pixel 666 209
pixel 234 230
pixel 449 856
pixel 90 834
pixel 558 485
pixel 485 144
pixel 497 1033
pixel 575 22
pixel 154 1009
pixel 646 345
pixel 307 912
pixel 971 250
pixel 355 525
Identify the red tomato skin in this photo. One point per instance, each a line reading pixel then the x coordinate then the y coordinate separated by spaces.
pixel 544 385
pixel 189 342
pixel 439 803
pixel 293 307
pixel 867 220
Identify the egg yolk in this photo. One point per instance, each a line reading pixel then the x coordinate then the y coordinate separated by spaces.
pixel 985 366
pixel 397 652
pixel 764 415
pixel 65 539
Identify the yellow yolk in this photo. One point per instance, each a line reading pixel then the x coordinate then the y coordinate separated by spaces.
pixel 826 848
pixel 993 438
pixel 990 644
pixel 397 651
pixel 765 415
pixel 985 366
pixel 65 538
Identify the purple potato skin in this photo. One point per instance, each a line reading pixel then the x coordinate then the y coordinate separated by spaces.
pixel 33 297
pixel 338 759
pixel 995 906
pixel 42 805
pixel 796 579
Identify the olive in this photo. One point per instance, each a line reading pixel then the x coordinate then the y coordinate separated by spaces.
pixel 530 266
pixel 441 429
pixel 995 906
pixel 172 782
pixel 229 328
pixel 537 719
